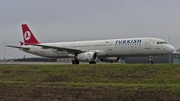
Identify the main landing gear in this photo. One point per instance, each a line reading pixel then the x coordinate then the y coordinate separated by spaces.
pixel 92 62
pixel 150 60
pixel 75 61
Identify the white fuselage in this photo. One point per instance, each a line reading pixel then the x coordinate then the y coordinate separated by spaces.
pixel 106 48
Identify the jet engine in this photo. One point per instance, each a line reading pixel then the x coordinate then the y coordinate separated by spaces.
pixel 87 56
pixel 110 59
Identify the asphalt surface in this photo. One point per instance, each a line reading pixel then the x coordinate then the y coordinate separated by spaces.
pixel 50 63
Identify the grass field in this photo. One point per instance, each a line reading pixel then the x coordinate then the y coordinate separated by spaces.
pixel 100 82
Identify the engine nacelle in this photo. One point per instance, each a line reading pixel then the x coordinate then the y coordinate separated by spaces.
pixel 110 59
pixel 87 56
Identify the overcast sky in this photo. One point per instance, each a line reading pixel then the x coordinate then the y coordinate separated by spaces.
pixel 72 20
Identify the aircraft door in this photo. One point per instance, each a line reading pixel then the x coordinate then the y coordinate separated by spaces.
pixel 148 44
pixel 110 45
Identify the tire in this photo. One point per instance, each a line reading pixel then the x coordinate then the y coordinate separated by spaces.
pixel 92 62
pixel 150 62
pixel 75 62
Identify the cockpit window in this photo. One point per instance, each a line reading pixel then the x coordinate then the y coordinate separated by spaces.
pixel 161 42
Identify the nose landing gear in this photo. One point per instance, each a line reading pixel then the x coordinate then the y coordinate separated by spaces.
pixel 150 60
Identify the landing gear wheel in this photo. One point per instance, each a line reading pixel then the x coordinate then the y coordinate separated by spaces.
pixel 150 62
pixel 75 61
pixel 92 62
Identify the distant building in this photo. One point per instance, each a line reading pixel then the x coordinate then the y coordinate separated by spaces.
pixel 172 58
pixel 35 60
pixel 178 50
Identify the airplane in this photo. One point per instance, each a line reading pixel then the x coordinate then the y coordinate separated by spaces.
pixel 107 50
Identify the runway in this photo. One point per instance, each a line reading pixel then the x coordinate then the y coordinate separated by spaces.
pixel 52 63
pixel 43 63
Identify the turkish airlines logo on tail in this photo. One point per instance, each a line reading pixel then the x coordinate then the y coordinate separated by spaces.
pixel 27 35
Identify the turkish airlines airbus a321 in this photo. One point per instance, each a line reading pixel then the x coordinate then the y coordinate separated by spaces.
pixel 107 50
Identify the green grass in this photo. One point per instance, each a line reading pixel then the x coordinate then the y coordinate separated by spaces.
pixel 116 73
pixel 114 81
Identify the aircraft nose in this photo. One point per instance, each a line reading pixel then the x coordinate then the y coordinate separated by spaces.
pixel 171 48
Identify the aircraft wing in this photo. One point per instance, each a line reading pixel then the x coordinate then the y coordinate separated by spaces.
pixel 20 47
pixel 70 50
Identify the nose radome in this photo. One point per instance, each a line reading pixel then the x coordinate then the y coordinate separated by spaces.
pixel 171 48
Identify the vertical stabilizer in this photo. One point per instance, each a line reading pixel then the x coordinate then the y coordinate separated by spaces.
pixel 28 35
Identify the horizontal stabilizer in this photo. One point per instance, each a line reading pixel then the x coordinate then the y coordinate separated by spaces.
pixel 20 47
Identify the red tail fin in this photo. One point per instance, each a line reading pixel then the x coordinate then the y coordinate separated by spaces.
pixel 28 35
